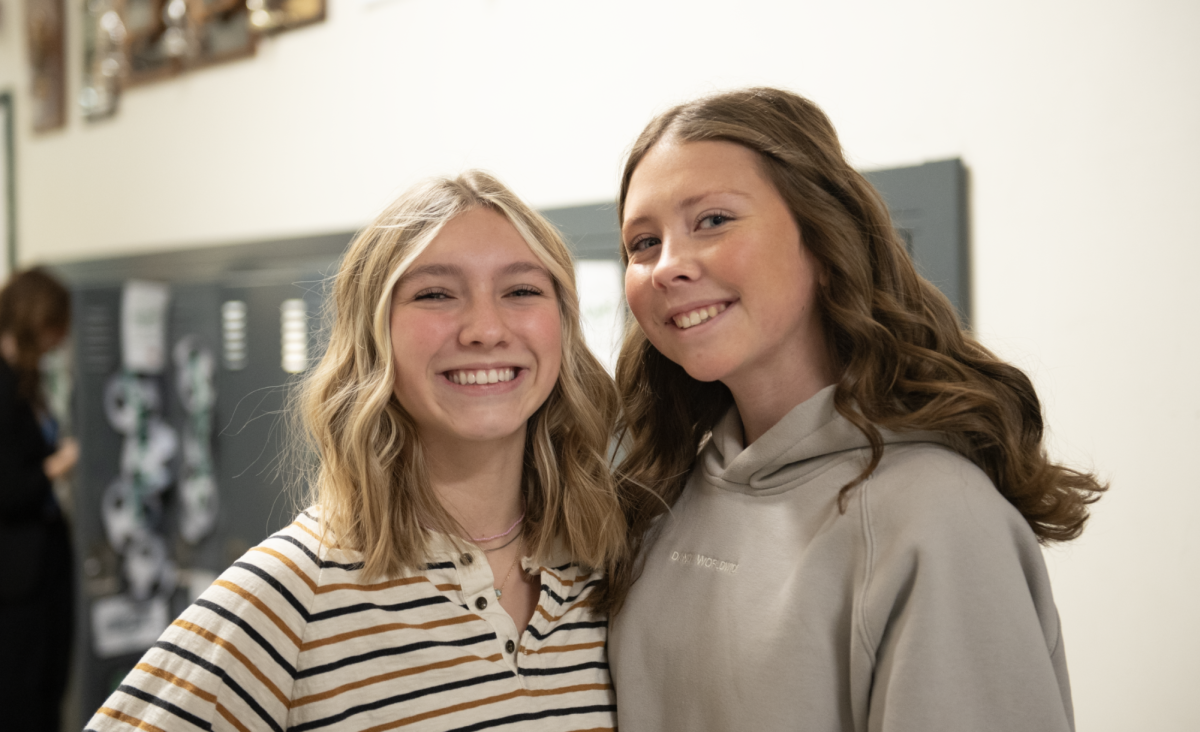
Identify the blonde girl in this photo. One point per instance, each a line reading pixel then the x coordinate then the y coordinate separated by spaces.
pixel 462 509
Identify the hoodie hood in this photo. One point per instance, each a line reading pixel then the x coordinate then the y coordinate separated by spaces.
pixel 796 446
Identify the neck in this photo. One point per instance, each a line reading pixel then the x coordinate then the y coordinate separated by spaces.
pixel 479 484
pixel 767 396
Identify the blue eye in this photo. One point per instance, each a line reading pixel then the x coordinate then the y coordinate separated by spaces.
pixel 643 244
pixel 712 221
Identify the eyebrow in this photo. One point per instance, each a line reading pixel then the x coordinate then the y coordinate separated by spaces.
pixel 453 270
pixel 690 201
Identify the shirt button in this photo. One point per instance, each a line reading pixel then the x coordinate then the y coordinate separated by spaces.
pixel 480 603
pixel 467 559
pixel 510 646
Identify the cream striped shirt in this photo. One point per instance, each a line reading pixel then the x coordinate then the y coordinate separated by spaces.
pixel 291 638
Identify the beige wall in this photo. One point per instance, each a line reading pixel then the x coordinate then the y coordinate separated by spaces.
pixel 1079 121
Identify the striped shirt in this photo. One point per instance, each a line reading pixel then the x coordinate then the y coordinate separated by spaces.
pixel 292 638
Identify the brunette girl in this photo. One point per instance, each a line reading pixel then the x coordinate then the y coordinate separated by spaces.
pixel 836 494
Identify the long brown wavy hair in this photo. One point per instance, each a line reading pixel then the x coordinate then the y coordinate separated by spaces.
pixel 369 478
pixel 903 358
pixel 33 305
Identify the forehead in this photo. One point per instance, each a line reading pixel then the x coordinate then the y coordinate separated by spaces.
pixel 478 244
pixel 479 238
pixel 673 168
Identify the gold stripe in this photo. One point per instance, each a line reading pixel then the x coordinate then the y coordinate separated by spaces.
pixel 564 649
pixel 290 565
pixel 375 629
pixel 228 715
pixel 173 679
pixel 233 651
pixel 132 721
pixel 262 607
pixel 392 675
pixel 415 579
pixel 555 618
pixel 483 702
pixel 322 589
pixel 313 534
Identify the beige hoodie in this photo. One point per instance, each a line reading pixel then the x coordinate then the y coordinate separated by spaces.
pixel 924 607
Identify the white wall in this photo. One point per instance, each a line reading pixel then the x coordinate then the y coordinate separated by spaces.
pixel 1079 121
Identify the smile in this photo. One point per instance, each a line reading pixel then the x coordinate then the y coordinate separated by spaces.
pixel 482 376
pixel 695 317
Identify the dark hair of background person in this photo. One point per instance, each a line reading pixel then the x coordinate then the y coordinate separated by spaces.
pixel 904 361
pixel 34 308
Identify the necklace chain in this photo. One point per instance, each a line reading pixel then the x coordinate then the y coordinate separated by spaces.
pixel 511 567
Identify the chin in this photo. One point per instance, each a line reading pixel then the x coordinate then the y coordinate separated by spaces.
pixel 706 372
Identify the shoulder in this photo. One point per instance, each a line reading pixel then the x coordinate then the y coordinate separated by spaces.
pixel 305 552
pixel 928 493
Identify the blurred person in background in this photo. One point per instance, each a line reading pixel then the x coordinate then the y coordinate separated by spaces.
pixel 36 599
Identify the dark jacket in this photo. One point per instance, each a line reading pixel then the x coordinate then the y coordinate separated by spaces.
pixel 28 512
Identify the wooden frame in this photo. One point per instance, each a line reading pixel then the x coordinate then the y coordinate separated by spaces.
pixel 45 27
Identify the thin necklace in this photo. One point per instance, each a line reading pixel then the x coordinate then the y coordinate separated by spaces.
pixel 500 536
pixel 511 567
pixel 496 549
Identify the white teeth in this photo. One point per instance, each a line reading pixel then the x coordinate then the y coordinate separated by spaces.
pixel 482 376
pixel 698 316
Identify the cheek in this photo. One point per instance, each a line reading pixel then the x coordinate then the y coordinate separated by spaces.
pixel 638 294
pixel 414 341
pixel 550 344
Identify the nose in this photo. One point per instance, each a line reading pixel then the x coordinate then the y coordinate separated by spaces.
pixel 483 324
pixel 677 263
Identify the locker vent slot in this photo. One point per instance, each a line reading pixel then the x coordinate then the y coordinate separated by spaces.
pixel 294 327
pixel 233 334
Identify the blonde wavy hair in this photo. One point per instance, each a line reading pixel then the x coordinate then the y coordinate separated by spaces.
pixel 369 476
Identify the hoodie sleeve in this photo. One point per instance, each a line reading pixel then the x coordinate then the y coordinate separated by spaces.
pixel 955 613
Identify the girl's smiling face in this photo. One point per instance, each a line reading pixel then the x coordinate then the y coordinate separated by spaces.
pixel 476 332
pixel 718 277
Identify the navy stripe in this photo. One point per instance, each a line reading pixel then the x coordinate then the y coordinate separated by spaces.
pixel 336 612
pixel 395 651
pixel 249 630
pixel 567 626
pixel 321 563
pixel 554 596
pixel 530 716
pixel 274 583
pixel 225 679
pixel 400 698
pixel 563 669
pixel 364 606
pixel 186 716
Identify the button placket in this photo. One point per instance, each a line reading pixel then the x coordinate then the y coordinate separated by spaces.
pixel 478 594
